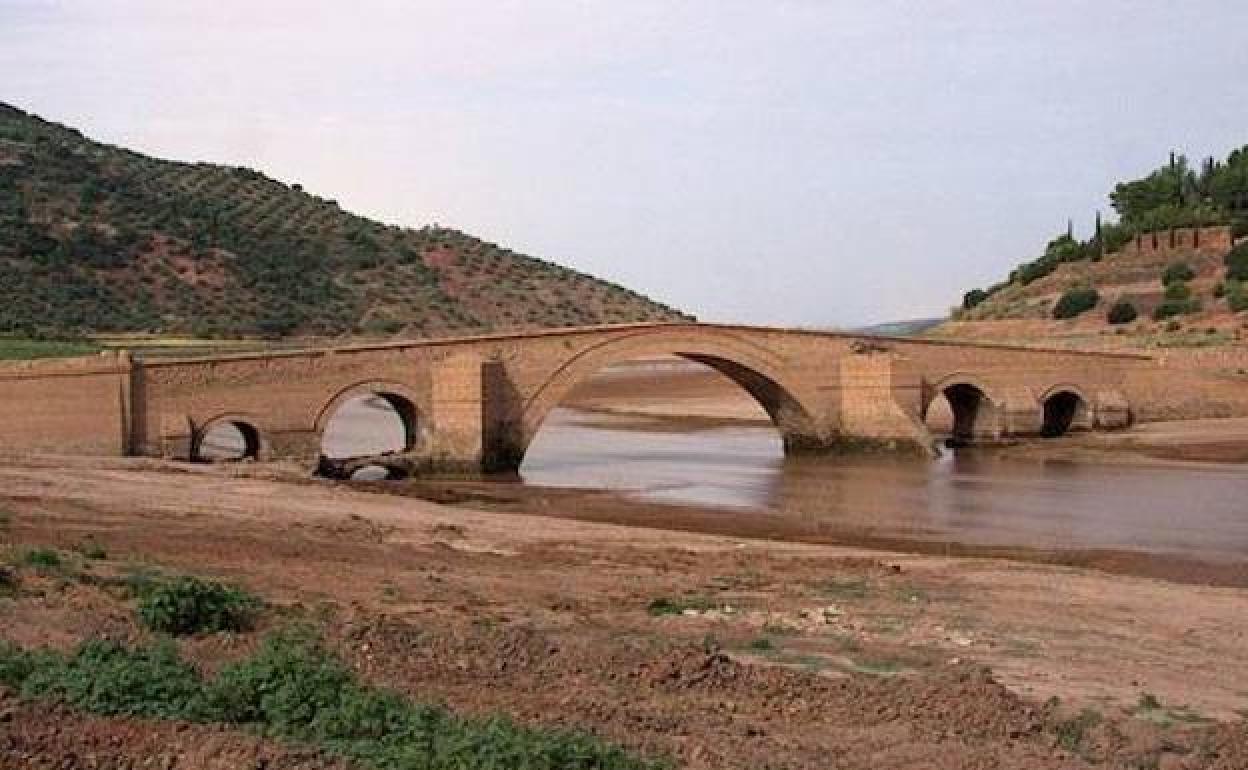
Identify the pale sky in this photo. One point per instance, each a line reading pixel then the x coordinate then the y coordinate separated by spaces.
pixel 796 163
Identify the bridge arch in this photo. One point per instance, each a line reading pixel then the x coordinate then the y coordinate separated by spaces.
pixel 1064 408
pixel 977 410
pixel 230 436
pixel 400 398
pixel 765 376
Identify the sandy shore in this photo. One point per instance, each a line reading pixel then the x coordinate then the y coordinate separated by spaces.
pixel 546 619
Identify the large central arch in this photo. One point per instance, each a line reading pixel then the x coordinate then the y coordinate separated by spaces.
pixel 791 405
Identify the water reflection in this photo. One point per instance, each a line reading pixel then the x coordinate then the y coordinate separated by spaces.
pixel 965 496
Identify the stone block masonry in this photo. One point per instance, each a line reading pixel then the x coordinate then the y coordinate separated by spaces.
pixel 477 402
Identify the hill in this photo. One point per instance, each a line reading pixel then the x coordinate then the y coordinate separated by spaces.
pixel 97 239
pixel 1175 259
pixel 907 328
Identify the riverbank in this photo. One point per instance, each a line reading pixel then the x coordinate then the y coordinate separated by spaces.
pixel 719 651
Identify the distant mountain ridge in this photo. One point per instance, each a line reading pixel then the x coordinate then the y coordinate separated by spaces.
pixel 907 328
pixel 96 238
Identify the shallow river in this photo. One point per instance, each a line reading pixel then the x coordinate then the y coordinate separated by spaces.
pixel 965 496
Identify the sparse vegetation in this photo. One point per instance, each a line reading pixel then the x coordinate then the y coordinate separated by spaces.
pixel 668 606
pixel 91 549
pixel 762 644
pixel 1174 195
pixel 1237 263
pixel 876 666
pixel 1072 732
pixel 42 559
pixel 13 348
pixel 293 689
pixel 96 238
pixel 188 605
pixel 1150 708
pixel 844 588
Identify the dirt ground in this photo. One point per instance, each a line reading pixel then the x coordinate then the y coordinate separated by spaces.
pixel 765 654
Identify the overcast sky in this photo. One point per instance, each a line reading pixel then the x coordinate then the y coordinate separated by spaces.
pixel 810 163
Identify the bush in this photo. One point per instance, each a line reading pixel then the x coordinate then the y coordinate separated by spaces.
pixel 42 559
pixel 1172 307
pixel 1237 263
pixel 973 298
pixel 1122 313
pixel 1236 296
pixel 106 678
pixel 1178 291
pixel 1074 302
pixel 189 605
pixel 293 689
pixel 1177 271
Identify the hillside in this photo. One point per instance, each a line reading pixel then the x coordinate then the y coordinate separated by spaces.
pixel 98 239
pixel 1174 263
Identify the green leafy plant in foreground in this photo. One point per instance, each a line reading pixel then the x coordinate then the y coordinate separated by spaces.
pixel 665 605
pixel 188 605
pixel 293 689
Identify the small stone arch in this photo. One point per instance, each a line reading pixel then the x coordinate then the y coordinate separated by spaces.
pixel 254 445
pixel 401 398
pixel 1064 408
pixel 977 411
pixel 757 370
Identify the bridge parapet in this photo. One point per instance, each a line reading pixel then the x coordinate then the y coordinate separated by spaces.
pixel 478 402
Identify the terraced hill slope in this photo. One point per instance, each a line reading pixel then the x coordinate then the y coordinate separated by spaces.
pixel 96 238
pixel 1175 263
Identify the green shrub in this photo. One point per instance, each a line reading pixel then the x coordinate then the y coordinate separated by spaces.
pixel 1236 296
pixel 188 605
pixel 293 689
pixel 1177 271
pixel 667 606
pixel 1172 307
pixel 43 560
pixel 1237 263
pixel 1122 312
pixel 1178 291
pixel 973 297
pixel 106 678
pixel 1074 302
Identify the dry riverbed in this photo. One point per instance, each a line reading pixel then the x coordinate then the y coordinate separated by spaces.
pixel 715 651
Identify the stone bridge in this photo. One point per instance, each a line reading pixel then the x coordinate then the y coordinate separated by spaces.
pixel 477 402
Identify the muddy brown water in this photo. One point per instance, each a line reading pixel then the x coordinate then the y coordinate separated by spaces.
pixel 968 496
pixel 971 496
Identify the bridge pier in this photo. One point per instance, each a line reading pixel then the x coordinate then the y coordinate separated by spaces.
pixel 477 402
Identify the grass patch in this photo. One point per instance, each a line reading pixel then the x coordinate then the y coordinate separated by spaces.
pixel 293 689
pixel 913 594
pixel 812 663
pixel 667 606
pixel 876 666
pixel 188 605
pixel 89 548
pixel 15 349
pixel 44 561
pixel 747 580
pixel 844 588
pixel 762 644
pixel 1150 709
pixel 1072 732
